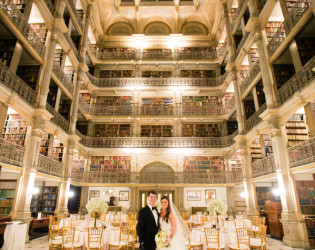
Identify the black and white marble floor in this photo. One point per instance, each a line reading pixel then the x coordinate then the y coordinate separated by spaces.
pixel 42 243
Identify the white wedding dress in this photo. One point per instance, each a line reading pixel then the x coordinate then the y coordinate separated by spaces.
pixel 178 241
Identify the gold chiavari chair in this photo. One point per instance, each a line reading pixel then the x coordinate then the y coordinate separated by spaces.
pixel 68 240
pixel 95 238
pixel 243 236
pixel 191 245
pixel 213 239
pixel 239 223
pixel 120 244
pixel 195 221
pixel 132 236
pixel 260 241
pixel 55 239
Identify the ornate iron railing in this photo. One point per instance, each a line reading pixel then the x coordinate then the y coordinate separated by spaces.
pixel 263 166
pixel 58 119
pixel 49 166
pixel 242 42
pixel 74 10
pixel 62 77
pixel 255 119
pixel 158 142
pixel 11 153
pixel 209 54
pixel 103 55
pixel 16 84
pixel 294 16
pixel 17 18
pixel 251 75
pixel 301 79
pixel 174 81
pixel 156 177
pixel 302 153
pixel 71 43
pixel 237 13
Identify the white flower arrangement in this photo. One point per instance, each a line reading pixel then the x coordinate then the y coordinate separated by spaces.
pixel 162 240
pixel 97 205
pixel 216 207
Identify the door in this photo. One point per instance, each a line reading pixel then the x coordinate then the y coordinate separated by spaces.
pixel 160 194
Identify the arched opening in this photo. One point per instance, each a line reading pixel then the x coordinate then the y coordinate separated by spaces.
pixel 157 172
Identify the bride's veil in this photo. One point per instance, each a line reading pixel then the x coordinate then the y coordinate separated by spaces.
pixel 182 228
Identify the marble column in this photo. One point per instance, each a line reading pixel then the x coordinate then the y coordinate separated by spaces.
pixel 3 114
pixel 310 118
pixel 229 196
pixel 254 92
pixel 294 228
pixel 132 202
pixel 230 43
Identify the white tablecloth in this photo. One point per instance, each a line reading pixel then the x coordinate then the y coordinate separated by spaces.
pixel 14 236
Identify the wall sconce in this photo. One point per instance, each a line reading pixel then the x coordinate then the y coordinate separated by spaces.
pixel 70 194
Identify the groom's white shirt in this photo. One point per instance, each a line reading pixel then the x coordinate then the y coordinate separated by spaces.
pixel 154 212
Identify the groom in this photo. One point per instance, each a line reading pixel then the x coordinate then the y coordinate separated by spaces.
pixel 148 223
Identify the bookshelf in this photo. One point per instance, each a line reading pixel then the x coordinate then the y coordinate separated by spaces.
pixel 29 74
pixel 6 51
pixel 44 144
pixel 157 131
pixel 268 144
pixel 82 126
pixel 253 55
pixel 231 127
pixel 117 50
pixel 264 194
pixel 239 203
pixel 249 108
pixel 160 101
pixel 112 130
pixel 260 93
pixel 158 74
pixel 236 161
pixel 64 108
pixel 45 201
pixel 203 164
pixel 7 192
pixel 244 70
pixel 296 129
pixel 117 73
pixel 282 73
pixel 20 4
pixel 190 101
pixel 52 94
pixel 41 30
pixel 58 55
pixel 57 150
pixel 255 150
pixel 198 73
pixel 271 28
pixel 14 129
pixel 201 130
pixel 110 163
pixel 86 97
pixel 114 100
pixel 306 47
pixel 69 72
pixel 310 226
pixel 78 161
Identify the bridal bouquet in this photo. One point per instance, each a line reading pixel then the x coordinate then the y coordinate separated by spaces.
pixel 97 206
pixel 162 240
pixel 217 207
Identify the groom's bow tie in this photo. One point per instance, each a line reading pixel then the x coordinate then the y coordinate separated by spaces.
pixel 154 208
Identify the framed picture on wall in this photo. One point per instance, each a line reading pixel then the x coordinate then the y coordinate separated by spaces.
pixel 210 195
pixel 123 195
pixel 94 194
pixel 193 195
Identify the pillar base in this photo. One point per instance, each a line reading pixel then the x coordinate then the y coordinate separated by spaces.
pixel 63 210
pixel 250 213
pixel 26 218
pixel 295 234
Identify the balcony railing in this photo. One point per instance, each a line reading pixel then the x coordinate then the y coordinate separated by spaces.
pixel 294 16
pixel 263 166
pixel 58 119
pixel 156 177
pixel 74 10
pixel 302 153
pixel 49 166
pixel 62 77
pixel 16 84
pixel 301 79
pixel 174 81
pixel 17 18
pixel 158 142
pixel 11 153
pixel 237 13
pixel 71 44
pixel 255 119
pixel 251 75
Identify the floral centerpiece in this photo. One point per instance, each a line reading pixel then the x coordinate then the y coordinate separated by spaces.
pixel 97 206
pixel 216 207
pixel 162 240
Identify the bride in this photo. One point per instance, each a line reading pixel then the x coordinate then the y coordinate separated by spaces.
pixel 171 222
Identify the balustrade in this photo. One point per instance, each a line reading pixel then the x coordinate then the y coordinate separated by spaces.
pixel 71 44
pixel 294 16
pixel 11 153
pixel 49 166
pixel 301 79
pixel 58 119
pixel 62 77
pixel 302 153
pixel 250 76
pixel 16 17
pixel 255 119
pixel 16 84
pixel 237 13
pixel 263 166
pixel 74 10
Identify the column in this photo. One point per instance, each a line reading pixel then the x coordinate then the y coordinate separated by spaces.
pixel 178 102
pixel 254 92
pixel 230 43
pixel 249 185
pixel 85 190
pixel 226 157
pixel 3 115
pixel 310 118
pixel 133 165
pixel 294 228
pixel 137 70
pixel 90 130
pixel 132 202
pixel 18 49
pixel 229 196
pixel 44 84
pixel 181 199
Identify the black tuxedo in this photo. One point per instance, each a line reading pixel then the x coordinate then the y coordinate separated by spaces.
pixel 147 228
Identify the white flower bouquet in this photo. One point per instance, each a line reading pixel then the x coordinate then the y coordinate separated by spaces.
pixel 97 205
pixel 216 207
pixel 162 240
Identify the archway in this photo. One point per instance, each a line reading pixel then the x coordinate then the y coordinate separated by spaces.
pixel 156 173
